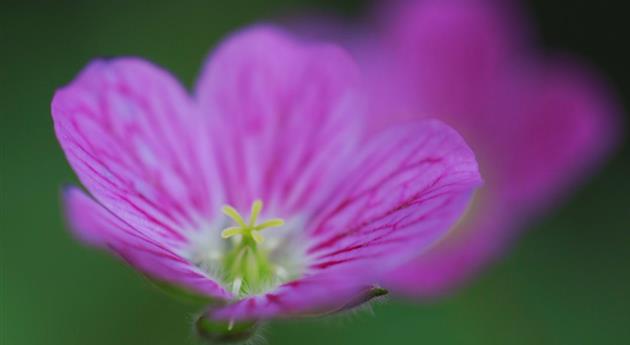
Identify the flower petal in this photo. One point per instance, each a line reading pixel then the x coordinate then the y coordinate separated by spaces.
pixel 312 296
pixel 133 137
pixel 409 186
pixel 435 58
pixel 283 117
pixel 98 226
pixel 568 127
pixel 404 192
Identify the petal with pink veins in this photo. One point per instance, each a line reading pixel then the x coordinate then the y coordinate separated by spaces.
pixel 283 116
pixel 402 193
pixel 133 242
pixel 132 135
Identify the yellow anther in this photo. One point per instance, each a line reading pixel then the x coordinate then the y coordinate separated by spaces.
pixel 250 229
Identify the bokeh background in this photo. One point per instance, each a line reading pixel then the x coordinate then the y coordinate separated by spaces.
pixel 566 282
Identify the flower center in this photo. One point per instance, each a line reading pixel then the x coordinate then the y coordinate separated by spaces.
pixel 247 266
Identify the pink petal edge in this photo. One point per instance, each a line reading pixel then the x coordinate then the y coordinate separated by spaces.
pixel 95 225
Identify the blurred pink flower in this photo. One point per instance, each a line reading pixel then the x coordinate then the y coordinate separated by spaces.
pixel 272 120
pixel 537 124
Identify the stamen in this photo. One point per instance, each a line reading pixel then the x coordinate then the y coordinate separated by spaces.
pixel 236 285
pixel 248 268
pixel 250 229
pixel 281 272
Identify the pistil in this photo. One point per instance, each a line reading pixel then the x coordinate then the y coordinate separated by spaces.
pixel 247 266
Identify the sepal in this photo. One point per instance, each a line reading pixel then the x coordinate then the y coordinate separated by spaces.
pixel 364 296
pixel 213 331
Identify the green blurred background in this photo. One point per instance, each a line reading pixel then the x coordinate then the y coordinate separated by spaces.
pixel 566 282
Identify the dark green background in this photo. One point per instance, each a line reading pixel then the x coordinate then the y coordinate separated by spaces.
pixel 566 282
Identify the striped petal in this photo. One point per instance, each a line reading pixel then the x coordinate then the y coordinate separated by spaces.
pixel 409 186
pixel 132 135
pixel 132 241
pixel 402 194
pixel 283 117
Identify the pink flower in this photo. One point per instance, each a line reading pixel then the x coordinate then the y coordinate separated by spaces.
pixel 260 191
pixel 538 125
